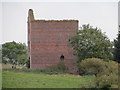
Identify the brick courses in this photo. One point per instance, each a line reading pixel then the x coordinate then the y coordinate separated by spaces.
pixel 48 40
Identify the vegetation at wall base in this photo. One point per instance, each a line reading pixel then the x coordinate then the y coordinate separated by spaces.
pixel 60 68
pixel 37 71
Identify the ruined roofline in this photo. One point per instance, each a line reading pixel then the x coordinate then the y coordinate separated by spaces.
pixel 55 20
pixel 32 19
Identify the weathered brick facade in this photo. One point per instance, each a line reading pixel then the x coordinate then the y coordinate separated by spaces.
pixel 48 40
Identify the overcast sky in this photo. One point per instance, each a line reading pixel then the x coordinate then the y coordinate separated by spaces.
pixel 103 15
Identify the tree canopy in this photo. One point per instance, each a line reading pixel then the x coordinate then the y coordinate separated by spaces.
pixel 117 48
pixel 90 42
pixel 14 53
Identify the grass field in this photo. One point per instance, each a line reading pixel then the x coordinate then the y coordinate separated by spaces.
pixel 12 79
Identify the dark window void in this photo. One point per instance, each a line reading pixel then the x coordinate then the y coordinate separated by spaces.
pixel 62 57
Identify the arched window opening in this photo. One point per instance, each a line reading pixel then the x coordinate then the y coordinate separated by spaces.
pixel 62 57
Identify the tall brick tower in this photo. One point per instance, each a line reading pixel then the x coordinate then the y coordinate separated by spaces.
pixel 48 42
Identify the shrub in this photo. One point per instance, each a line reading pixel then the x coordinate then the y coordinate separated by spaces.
pixel 106 81
pixel 92 66
pixel 111 68
pixel 106 72
pixel 109 76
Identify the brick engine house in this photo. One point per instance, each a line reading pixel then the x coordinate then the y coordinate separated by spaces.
pixel 48 42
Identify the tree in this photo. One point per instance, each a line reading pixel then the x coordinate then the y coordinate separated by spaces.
pixel 117 48
pixel 90 42
pixel 22 59
pixel 28 63
pixel 14 53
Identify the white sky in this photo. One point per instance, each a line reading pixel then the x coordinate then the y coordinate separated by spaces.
pixel 103 15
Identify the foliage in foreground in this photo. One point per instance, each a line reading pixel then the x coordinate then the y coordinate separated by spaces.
pixel 106 72
pixel 91 42
pixel 107 81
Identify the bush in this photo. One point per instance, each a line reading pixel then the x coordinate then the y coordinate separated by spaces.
pixel 111 68
pixel 106 72
pixel 109 76
pixel 92 66
pixel 106 81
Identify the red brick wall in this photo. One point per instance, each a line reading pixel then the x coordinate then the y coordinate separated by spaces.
pixel 48 40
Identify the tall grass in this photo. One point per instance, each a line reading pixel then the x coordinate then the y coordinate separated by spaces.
pixel 56 69
pixel 38 71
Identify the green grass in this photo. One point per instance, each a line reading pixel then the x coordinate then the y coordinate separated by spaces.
pixel 12 79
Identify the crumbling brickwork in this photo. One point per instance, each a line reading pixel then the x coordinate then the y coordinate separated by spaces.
pixel 48 40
